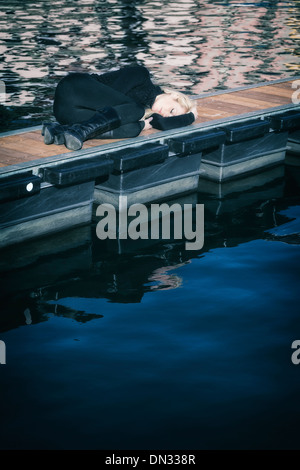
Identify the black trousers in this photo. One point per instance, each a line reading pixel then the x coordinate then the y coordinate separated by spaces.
pixel 79 95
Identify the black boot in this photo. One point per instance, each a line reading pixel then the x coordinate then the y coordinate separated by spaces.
pixel 103 120
pixel 53 132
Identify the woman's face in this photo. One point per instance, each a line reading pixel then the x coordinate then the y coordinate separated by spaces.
pixel 166 105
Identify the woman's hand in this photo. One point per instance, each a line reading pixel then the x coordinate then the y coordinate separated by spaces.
pixel 148 124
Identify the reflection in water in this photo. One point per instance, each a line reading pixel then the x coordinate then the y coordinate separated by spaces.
pixel 163 280
pixel 152 346
pixel 77 265
pixel 191 45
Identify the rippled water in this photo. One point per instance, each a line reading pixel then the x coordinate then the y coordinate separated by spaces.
pixel 192 45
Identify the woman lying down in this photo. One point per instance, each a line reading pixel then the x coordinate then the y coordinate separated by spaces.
pixel 114 105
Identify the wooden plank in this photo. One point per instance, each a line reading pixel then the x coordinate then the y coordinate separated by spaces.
pixel 29 146
pixel 219 104
pixel 272 90
pixel 287 84
pixel 95 142
pixel 261 99
pixel 208 114
pixel 236 98
pixel 35 135
pixel 22 137
pixel 9 156
pixel 265 97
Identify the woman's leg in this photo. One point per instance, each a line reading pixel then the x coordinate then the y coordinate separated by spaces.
pixel 79 96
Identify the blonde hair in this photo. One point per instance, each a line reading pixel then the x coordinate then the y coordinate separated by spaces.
pixel 182 99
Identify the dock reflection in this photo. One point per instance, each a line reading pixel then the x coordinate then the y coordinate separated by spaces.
pixel 36 275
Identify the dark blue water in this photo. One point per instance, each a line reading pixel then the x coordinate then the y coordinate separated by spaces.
pixel 158 347
pixel 147 345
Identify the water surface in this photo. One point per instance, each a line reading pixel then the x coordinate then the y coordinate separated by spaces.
pixel 158 347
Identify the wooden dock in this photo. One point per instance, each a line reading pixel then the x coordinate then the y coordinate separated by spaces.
pixel 46 189
pixel 25 148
